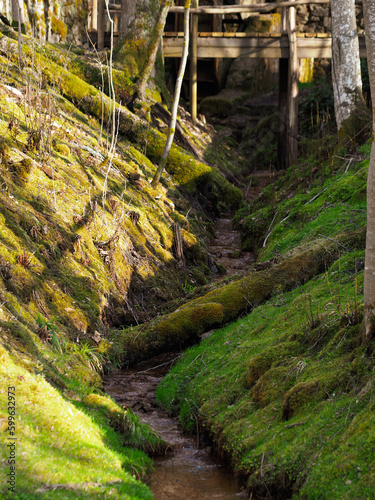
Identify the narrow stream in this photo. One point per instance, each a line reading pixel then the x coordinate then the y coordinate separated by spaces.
pixel 188 472
pixel 225 248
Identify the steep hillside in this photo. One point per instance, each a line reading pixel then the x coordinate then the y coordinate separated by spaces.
pixel 86 245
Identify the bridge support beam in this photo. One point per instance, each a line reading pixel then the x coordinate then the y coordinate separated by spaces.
pixel 282 133
pixel 292 89
pixel 101 24
pixel 193 64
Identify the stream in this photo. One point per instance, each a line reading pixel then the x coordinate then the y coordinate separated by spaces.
pixel 225 248
pixel 189 471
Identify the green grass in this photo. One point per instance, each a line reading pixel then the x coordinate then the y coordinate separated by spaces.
pixel 62 441
pixel 287 392
pixel 302 206
pixel 283 391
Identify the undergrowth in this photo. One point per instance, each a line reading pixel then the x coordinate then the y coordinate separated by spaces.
pixel 286 393
pixel 282 391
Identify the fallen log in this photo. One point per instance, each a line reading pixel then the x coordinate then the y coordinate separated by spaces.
pixel 184 326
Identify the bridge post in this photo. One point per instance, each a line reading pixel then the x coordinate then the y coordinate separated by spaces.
pixel 94 15
pixel 282 134
pixel 193 64
pixel 292 89
pixel 101 24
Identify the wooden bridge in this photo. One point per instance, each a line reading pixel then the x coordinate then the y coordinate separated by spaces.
pixel 288 46
pixel 254 45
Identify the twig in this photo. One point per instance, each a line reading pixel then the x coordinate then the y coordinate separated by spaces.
pixel 158 366
pixel 348 165
pixel 337 243
pixel 269 229
pixel 316 196
pixel 289 426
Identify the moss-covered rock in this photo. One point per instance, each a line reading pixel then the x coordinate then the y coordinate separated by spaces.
pixel 258 366
pixel 300 395
pixel 271 385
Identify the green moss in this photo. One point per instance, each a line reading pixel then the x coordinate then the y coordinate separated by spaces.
pixel 21 170
pixel 300 395
pixel 258 366
pixel 63 149
pixel 272 385
pixel 58 27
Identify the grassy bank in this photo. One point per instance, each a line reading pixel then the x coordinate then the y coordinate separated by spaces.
pixel 286 392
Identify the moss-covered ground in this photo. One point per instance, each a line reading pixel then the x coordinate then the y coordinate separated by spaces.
pixel 86 245
pixel 286 392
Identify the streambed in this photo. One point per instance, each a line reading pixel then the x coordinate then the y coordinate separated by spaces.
pixel 189 471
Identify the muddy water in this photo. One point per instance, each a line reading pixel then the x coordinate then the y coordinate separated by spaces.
pixel 225 248
pixel 189 472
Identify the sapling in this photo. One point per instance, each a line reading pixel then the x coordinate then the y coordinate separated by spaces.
pixel 176 99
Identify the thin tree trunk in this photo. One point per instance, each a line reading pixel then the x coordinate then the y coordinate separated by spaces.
pixel 346 68
pixel 18 16
pixel 176 98
pixel 152 50
pixel 369 280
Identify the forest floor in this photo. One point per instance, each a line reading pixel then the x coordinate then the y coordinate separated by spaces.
pixel 90 280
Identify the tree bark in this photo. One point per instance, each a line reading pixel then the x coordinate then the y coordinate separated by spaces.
pixel 346 68
pixel 18 16
pixel 132 23
pixel 152 50
pixel 369 280
pixel 176 99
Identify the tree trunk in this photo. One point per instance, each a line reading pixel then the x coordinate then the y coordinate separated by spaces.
pixel 152 50
pixel 228 302
pixel 18 16
pixel 137 21
pixel 346 69
pixel 369 281
pixel 132 21
pixel 176 98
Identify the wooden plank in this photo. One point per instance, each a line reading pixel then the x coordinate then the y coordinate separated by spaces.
pixel 260 7
pixel 173 34
pixel 234 9
pixel 94 15
pixel 101 24
pixel 282 133
pixel 271 47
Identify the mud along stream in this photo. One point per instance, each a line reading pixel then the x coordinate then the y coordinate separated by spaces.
pixel 189 471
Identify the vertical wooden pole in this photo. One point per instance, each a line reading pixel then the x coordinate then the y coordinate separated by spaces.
pixel 282 134
pixel 94 15
pixel 101 24
pixel 194 64
pixel 292 89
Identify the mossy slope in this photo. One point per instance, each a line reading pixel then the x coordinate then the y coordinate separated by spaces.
pixel 85 244
pixel 286 393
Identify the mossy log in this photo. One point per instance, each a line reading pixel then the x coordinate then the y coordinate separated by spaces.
pixel 186 170
pixel 220 306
